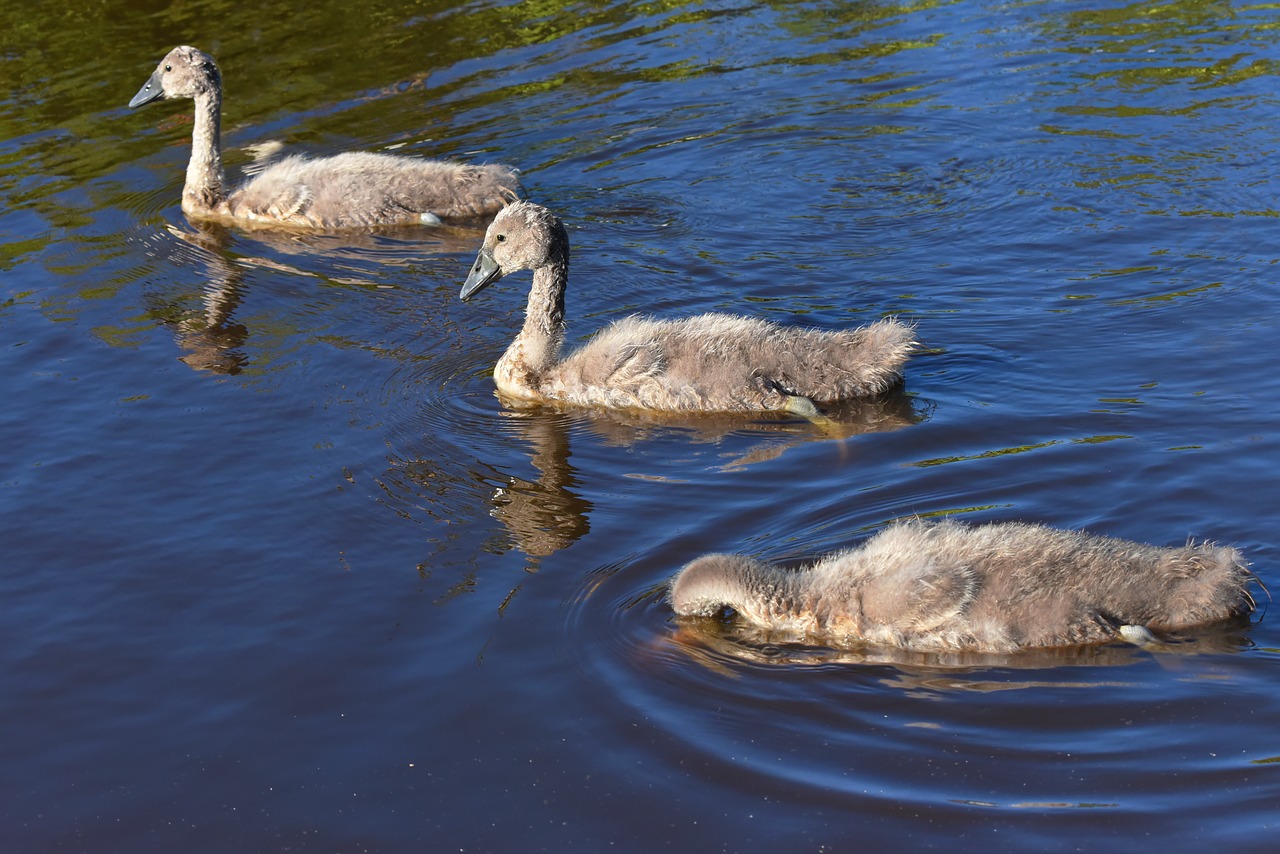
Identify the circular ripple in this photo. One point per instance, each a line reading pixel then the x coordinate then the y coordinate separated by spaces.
pixel 889 732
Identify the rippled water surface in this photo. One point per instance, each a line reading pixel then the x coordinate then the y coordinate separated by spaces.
pixel 281 573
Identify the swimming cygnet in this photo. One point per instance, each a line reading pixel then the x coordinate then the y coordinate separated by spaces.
pixel 349 190
pixel 708 363
pixel 994 588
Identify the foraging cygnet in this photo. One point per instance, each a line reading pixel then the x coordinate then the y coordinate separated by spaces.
pixel 708 363
pixel 349 190
pixel 993 588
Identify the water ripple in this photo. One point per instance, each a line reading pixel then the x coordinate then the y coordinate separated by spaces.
pixel 889 727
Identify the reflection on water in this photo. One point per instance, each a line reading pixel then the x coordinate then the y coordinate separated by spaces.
pixel 628 428
pixel 210 337
pixel 725 646
pixel 344 598
pixel 890 411
pixel 544 515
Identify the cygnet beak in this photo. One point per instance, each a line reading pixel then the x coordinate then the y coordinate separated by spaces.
pixel 483 273
pixel 150 90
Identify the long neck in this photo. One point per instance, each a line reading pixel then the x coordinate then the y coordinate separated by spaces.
pixel 206 183
pixel 535 350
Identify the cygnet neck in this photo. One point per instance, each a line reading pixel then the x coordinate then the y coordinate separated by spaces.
pixel 206 183
pixel 537 347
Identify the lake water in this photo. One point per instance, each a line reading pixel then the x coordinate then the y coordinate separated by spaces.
pixel 281 573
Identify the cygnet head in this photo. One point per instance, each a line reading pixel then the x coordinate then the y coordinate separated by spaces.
pixel 708 585
pixel 523 236
pixel 185 72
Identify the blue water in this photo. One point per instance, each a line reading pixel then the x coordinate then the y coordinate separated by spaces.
pixel 281 573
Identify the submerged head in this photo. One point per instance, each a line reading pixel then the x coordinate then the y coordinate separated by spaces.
pixel 523 236
pixel 710 584
pixel 185 72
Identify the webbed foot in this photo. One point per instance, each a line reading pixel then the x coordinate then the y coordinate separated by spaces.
pixel 805 408
pixel 1139 636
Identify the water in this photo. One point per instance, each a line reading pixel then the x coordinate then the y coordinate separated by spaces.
pixel 281 573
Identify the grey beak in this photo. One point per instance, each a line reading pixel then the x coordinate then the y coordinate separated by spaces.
pixel 483 273
pixel 149 91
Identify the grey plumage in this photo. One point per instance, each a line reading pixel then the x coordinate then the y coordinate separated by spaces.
pixel 995 588
pixel 709 362
pixel 351 190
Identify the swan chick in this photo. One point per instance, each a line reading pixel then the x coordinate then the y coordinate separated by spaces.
pixel 350 190
pixel 947 586
pixel 709 362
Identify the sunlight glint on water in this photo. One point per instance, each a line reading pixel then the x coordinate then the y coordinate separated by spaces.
pixel 282 573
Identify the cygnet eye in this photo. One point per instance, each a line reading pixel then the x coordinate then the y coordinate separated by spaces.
pixel 168 67
pixel 501 237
